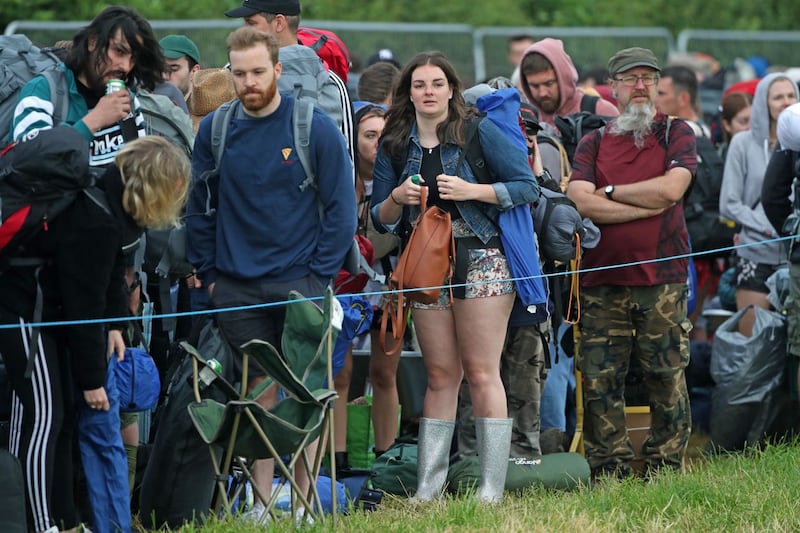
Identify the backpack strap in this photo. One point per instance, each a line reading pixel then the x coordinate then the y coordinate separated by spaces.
pixel 219 129
pixel 219 135
pixel 302 117
pixel 59 94
pixel 473 153
pixel 589 103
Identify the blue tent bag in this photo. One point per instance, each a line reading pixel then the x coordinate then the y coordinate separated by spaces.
pixel 516 224
pixel 137 381
pixel 357 320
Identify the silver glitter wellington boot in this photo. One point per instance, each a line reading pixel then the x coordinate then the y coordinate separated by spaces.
pixel 494 443
pixel 433 457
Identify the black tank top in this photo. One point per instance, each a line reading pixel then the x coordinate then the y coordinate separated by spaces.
pixel 430 168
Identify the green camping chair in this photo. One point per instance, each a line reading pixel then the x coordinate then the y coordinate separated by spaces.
pixel 249 432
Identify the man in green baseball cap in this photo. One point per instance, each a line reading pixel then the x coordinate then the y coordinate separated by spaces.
pixel 182 59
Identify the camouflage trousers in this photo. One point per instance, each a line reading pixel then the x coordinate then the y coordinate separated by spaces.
pixel 616 322
pixel 522 368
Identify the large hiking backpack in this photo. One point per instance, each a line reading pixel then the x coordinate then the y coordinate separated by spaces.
pixel 165 250
pixel 165 119
pixel 177 486
pixel 20 62
pixel 40 175
pixel 575 126
pixel 329 47
pixel 304 75
pixel 13 517
pixel 701 206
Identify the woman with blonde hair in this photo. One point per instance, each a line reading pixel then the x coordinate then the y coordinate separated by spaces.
pixel 81 257
pixel 740 195
pixel 425 135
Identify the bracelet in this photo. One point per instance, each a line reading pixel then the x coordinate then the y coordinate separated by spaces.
pixel 391 195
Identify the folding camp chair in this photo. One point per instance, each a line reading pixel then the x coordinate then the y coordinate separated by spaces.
pixel 248 432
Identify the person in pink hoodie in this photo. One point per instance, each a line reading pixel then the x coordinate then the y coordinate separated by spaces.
pixel 549 80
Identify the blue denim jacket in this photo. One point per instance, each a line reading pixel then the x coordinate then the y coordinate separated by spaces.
pixel 515 183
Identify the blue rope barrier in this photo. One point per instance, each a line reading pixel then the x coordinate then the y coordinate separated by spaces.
pixel 381 293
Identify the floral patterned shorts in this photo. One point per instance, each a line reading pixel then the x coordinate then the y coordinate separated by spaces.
pixel 487 273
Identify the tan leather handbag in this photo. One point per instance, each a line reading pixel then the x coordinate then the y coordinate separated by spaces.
pixel 424 266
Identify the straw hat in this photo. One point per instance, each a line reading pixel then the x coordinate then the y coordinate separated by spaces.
pixel 211 87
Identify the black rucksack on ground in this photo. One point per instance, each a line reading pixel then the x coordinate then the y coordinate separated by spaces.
pixel 701 206
pixel 13 514
pixel 178 483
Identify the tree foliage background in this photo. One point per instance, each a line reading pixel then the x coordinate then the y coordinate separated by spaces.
pixel 706 14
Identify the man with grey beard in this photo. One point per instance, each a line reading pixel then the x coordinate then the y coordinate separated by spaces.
pixel 630 178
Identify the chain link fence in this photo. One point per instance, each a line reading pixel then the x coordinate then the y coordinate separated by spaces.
pixel 477 53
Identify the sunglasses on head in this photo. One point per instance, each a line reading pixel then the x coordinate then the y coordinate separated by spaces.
pixel 532 127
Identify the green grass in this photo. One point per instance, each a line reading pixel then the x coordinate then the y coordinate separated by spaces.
pixel 754 492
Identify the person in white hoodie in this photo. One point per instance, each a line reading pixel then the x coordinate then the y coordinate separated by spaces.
pixel 740 196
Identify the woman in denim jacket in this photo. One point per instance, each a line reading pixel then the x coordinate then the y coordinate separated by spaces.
pixel 425 129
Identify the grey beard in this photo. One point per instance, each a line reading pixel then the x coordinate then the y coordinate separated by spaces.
pixel 637 119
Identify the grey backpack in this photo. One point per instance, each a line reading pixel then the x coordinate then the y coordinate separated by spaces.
pixel 163 118
pixel 559 225
pixel 20 62
pixel 304 76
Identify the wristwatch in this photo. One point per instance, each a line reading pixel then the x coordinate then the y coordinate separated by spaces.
pixel 609 190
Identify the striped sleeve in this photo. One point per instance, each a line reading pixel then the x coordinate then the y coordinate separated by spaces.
pixel 34 110
pixel 348 129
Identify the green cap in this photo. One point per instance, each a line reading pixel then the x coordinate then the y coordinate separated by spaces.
pixel 177 46
pixel 632 57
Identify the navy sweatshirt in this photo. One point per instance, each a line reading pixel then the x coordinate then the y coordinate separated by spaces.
pixel 264 226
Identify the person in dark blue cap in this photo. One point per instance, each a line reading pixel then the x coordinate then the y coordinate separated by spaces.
pixel 254 7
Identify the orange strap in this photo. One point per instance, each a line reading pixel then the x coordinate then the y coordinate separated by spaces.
pixel 574 285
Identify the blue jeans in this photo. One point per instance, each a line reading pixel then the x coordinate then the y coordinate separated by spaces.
pixel 105 461
pixel 557 409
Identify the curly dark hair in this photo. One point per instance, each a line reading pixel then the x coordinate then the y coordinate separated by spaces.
pixel 402 114
pixel 149 64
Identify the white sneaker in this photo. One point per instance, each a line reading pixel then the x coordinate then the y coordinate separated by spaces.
pixel 256 515
pixel 302 518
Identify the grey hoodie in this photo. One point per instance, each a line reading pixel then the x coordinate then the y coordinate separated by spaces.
pixel 745 164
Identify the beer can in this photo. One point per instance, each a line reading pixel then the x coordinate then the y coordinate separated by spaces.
pixel 216 365
pixel 114 86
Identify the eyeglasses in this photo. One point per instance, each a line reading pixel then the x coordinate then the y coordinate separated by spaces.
pixel 631 81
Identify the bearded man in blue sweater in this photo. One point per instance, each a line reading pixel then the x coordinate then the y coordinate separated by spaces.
pixel 267 235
